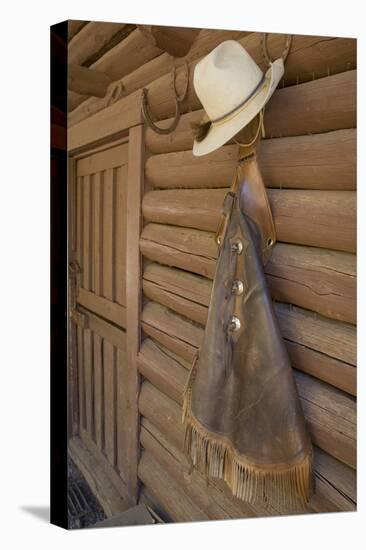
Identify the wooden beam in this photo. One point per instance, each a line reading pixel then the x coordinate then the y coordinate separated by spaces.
pixel 90 39
pixel 335 55
pixel 74 27
pixel 101 306
pixel 314 107
pixel 149 71
pixel 321 161
pixel 87 81
pixel 106 125
pixel 317 279
pixel 176 41
pixel 325 219
pixel 135 185
pixel 311 57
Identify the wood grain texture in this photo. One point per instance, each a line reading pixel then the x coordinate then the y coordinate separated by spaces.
pixel 334 431
pixel 165 415
pixel 319 346
pixel 310 57
pixel 98 475
pixel 162 64
pixel 83 80
pixel 90 39
pixel 135 186
pixel 98 391
pixel 321 333
pixel 313 278
pixel 73 27
pixel 107 124
pixel 316 345
pixel 314 107
pixel 320 161
pixel 109 384
pixel 103 307
pixel 167 492
pixel 324 219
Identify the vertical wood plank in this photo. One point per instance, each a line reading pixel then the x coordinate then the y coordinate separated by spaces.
pixel 73 401
pixel 109 413
pixel 122 459
pixel 87 233
pixel 121 198
pixel 133 303
pixel 98 391
pixel 79 226
pixel 108 208
pixel 88 377
pixel 97 232
pixel 81 385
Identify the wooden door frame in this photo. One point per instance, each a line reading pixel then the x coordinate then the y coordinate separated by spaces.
pixel 107 128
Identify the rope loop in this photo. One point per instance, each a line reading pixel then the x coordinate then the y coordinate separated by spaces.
pixel 284 54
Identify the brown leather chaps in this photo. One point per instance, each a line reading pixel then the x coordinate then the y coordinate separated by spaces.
pixel 244 421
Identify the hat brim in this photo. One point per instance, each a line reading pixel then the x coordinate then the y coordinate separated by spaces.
pixel 220 134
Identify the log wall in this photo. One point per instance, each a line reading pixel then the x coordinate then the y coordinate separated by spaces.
pixel 308 162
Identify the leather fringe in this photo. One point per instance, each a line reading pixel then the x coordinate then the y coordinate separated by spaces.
pixel 286 486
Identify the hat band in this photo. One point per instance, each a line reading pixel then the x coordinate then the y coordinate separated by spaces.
pixel 243 103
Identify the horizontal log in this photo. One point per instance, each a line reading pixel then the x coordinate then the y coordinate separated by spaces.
pixel 331 417
pixel 322 161
pixel 176 41
pixel 324 55
pixel 151 70
pixel 320 280
pixel 335 482
pixel 315 218
pixel 321 347
pixel 91 39
pixel 310 57
pixel 313 107
pixel 167 492
pixel 333 428
pixel 87 81
pixel 73 27
pixel 189 249
pixel 325 219
pixel 216 500
pixel 169 375
pixel 202 494
pixel 166 325
pixel 129 53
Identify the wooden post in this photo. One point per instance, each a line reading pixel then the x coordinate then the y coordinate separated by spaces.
pixel 133 304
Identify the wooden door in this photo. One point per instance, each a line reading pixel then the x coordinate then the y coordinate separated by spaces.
pixel 98 270
pixel 100 224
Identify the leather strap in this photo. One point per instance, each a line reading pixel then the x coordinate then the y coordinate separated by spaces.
pixel 254 203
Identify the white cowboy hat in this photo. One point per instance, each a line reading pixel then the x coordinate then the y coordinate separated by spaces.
pixel 233 90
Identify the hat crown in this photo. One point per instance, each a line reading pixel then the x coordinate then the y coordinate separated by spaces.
pixel 225 78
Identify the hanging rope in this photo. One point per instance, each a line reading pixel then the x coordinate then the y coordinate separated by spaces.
pixel 146 112
pixel 260 130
